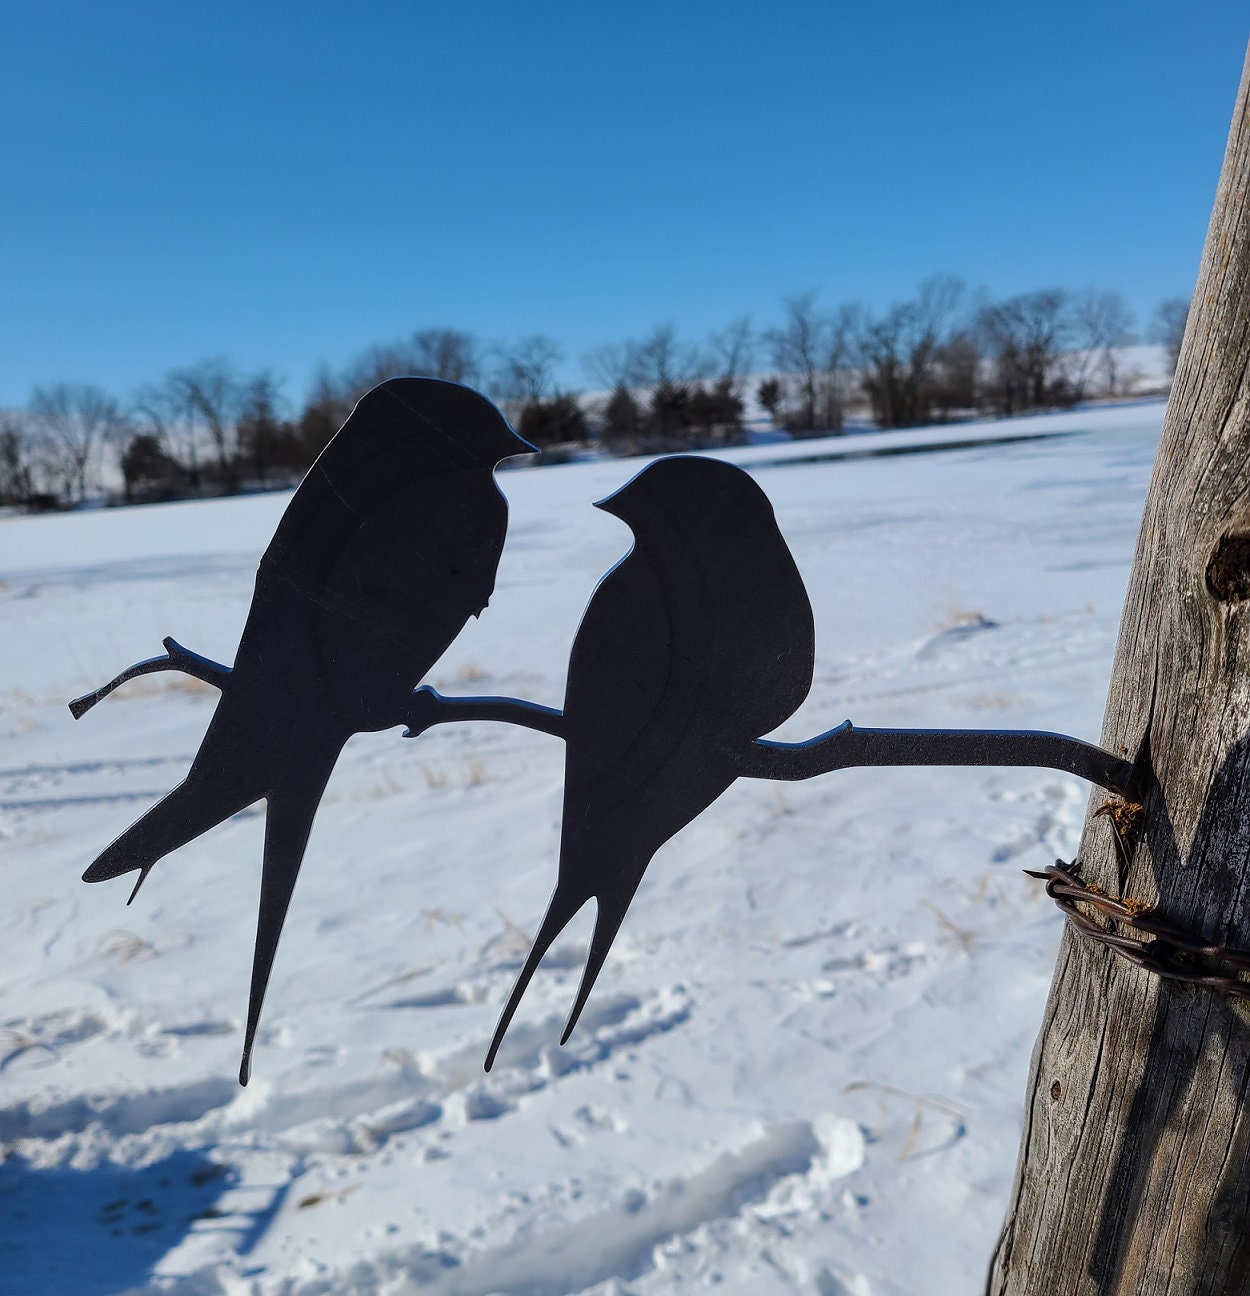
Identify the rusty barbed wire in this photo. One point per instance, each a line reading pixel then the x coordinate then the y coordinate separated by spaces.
pixel 1163 948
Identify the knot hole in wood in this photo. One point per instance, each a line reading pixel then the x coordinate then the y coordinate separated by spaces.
pixel 1228 569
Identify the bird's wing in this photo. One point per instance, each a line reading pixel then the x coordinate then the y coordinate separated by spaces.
pixel 379 583
pixel 761 644
pixel 637 681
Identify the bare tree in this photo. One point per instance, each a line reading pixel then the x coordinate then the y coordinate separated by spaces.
pixel 525 370
pixel 210 395
pixel 812 353
pixel 907 357
pixel 662 358
pixel 159 413
pixel 1134 1171
pixel 373 365
pixel 731 351
pixel 325 411
pixel 1025 337
pixel 16 480
pixel 613 366
pixel 940 305
pixel 1168 326
pixel 71 424
pixel 432 353
pixel 1101 322
pixel 885 348
pixel 800 350
pixel 845 328
pixel 957 375
pixel 446 353
pixel 266 442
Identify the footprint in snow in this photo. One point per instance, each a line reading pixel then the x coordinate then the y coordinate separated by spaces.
pixel 954 637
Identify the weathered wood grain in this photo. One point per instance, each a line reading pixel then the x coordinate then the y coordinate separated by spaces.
pixel 1134 1171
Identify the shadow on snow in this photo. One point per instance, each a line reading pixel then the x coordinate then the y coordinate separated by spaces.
pixel 99 1231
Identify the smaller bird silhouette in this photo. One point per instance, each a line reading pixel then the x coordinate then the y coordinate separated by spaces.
pixel 386 549
pixel 699 641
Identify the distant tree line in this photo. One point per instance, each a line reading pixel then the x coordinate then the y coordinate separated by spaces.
pixel 949 354
pixel 213 429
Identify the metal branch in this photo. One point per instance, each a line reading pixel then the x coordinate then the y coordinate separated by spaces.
pixel 847 747
pixel 176 658
pixel 429 708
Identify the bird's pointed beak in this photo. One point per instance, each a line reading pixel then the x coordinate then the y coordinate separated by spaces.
pixel 522 446
pixel 611 503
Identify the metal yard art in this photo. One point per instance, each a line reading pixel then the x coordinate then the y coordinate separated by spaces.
pixel 696 644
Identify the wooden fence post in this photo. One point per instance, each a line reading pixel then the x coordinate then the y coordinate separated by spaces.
pixel 1134 1171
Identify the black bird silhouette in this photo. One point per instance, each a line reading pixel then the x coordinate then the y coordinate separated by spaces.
pixel 386 549
pixel 695 644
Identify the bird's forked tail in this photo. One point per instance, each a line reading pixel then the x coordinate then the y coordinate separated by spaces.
pixel 288 823
pixel 561 910
pixel 610 913
pixel 191 809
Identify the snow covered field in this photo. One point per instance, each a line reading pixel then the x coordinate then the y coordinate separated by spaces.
pixel 802 1070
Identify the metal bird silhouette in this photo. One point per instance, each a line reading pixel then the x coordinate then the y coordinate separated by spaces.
pixel 386 549
pixel 693 646
pixel 699 641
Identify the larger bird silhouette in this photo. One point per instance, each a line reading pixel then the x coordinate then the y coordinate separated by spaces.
pixel 386 549
pixel 695 644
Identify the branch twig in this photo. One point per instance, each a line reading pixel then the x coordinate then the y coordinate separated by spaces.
pixel 176 658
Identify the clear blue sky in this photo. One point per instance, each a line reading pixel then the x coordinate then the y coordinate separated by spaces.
pixel 283 184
